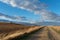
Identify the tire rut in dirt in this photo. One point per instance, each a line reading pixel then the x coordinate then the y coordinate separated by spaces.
pixel 50 35
pixel 26 35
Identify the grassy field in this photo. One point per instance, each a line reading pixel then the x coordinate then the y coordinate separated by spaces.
pixel 18 31
pixel 56 28
pixel 8 30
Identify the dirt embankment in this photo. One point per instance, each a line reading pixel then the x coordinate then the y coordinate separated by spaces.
pixel 8 30
pixel 45 33
pixel 23 32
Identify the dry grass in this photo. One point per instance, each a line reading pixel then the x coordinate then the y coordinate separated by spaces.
pixel 9 27
pixel 8 30
pixel 56 28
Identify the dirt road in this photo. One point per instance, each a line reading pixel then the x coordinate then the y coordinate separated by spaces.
pixel 53 35
pixel 45 33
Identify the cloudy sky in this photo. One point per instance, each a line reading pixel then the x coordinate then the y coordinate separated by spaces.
pixel 31 10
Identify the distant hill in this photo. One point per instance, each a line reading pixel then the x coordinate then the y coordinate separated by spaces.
pixel 48 23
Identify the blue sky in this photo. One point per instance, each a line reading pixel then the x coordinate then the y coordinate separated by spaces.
pixel 5 8
pixel 53 5
pixel 12 11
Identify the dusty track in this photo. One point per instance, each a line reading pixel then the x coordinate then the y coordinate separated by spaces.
pixel 53 35
pixel 45 33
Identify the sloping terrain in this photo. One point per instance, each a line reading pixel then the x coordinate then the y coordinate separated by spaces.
pixel 45 33
pixel 10 30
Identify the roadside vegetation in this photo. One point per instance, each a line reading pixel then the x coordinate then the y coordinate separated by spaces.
pixel 11 30
pixel 56 28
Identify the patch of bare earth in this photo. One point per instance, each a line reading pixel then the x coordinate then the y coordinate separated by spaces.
pixel 46 33
pixel 41 34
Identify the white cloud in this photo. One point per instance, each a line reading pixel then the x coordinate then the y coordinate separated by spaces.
pixel 35 6
pixel 6 18
pixel 15 18
pixel 49 16
pixel 12 18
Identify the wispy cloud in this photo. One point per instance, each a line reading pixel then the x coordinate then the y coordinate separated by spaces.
pixel 34 6
pixel 6 17
pixel 12 18
pixel 49 16
pixel 15 18
pixel 30 5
